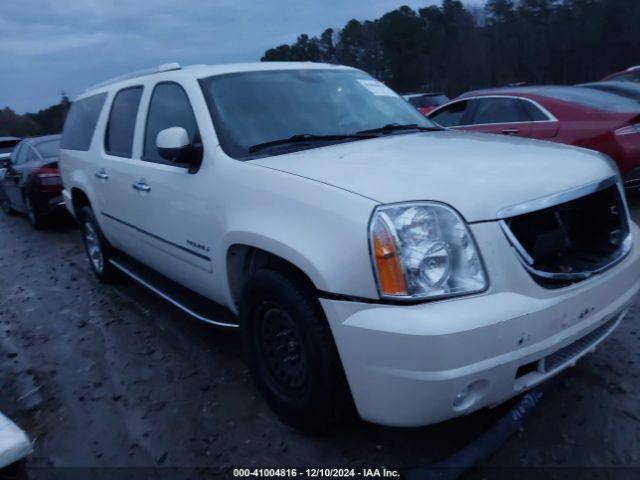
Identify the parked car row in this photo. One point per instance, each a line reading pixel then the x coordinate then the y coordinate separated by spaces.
pixel 602 116
pixel 31 182
pixel 369 257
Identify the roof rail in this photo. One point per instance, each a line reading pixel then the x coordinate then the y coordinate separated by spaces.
pixel 166 67
pixel 631 69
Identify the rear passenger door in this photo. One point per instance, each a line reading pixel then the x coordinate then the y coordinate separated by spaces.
pixel 501 115
pixel 178 222
pixel 117 170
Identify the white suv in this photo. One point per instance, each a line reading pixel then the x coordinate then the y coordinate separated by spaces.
pixel 368 257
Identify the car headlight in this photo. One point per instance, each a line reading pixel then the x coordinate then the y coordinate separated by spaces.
pixel 424 250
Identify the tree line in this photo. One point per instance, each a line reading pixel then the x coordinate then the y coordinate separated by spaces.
pixel 47 121
pixel 455 48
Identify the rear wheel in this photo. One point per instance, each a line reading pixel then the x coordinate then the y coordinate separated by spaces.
pixel 35 219
pixel 97 247
pixel 291 353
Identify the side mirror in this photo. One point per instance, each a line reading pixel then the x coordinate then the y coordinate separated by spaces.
pixel 5 162
pixel 173 144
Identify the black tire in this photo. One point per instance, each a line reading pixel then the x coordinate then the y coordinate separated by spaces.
pixel 5 203
pixel 291 352
pixel 36 219
pixel 15 471
pixel 98 259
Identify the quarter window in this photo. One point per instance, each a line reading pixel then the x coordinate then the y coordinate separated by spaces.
pixel 533 112
pixel 169 107
pixel 118 139
pixel 81 122
pixel 498 110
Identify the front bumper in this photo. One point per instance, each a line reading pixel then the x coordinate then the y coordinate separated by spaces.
pixel 407 365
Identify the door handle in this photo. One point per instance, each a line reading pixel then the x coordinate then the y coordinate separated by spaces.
pixel 141 186
pixel 102 175
pixel 511 131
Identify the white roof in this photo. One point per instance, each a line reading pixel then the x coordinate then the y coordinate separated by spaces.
pixel 203 71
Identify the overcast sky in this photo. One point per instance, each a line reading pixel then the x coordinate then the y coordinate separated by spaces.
pixel 49 46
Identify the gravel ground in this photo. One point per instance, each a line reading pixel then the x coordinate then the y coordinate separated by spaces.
pixel 111 382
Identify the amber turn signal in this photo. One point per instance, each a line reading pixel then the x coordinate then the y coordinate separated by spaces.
pixel 388 266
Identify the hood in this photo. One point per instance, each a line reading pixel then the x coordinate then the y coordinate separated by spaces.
pixel 476 173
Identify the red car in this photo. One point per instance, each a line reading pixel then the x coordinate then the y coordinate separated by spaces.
pixel 584 117
pixel 629 75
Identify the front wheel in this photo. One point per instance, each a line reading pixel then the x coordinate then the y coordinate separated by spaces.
pixel 5 203
pixel 291 353
pixel 97 247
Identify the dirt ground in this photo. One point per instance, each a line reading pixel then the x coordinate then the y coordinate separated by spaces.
pixel 111 382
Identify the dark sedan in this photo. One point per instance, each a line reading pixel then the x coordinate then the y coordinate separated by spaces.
pixel 31 182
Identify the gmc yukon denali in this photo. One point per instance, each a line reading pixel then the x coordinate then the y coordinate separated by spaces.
pixel 369 258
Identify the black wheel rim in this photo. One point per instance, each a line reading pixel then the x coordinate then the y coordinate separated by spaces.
pixel 281 348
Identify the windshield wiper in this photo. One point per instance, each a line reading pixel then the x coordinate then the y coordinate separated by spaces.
pixel 305 138
pixel 395 127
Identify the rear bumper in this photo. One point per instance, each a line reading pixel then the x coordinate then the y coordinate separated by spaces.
pixel 409 365
pixel 68 203
pixel 47 203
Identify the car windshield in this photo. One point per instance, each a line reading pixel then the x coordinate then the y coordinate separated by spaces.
pixel 48 149
pixel 424 101
pixel 253 108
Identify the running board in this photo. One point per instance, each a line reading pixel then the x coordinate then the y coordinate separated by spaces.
pixel 193 304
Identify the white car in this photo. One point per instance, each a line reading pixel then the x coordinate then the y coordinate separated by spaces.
pixel 368 257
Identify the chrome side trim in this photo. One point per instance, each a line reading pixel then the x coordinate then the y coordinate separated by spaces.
pixel 551 118
pixel 555 199
pixel 169 299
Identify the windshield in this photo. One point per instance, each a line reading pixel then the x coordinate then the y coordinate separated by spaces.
pixel 424 101
pixel 252 108
pixel 48 149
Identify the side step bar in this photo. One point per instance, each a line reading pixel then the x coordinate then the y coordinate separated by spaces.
pixel 191 303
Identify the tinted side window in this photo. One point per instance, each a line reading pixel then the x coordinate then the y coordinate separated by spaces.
pixel 118 139
pixel 451 116
pixel 533 112
pixel 81 122
pixel 22 154
pixel 498 110
pixel 169 107
pixel 16 153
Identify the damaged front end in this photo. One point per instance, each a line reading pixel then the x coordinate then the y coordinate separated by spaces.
pixel 568 237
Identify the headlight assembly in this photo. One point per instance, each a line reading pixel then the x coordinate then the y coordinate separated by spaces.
pixel 424 250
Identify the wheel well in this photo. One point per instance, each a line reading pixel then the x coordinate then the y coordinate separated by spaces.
pixel 78 199
pixel 243 260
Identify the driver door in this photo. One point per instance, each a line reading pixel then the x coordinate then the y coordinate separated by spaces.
pixel 177 222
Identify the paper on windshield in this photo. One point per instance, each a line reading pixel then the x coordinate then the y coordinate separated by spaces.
pixel 377 88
